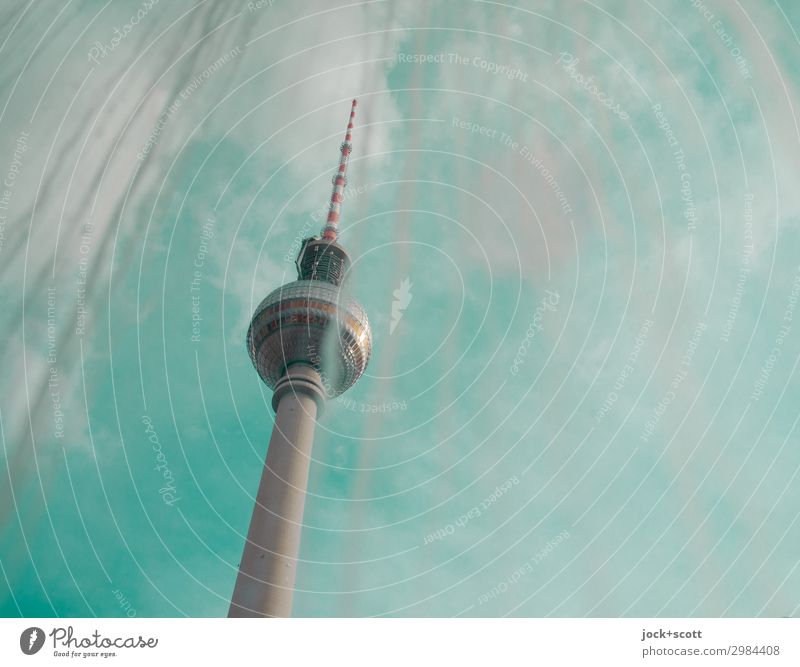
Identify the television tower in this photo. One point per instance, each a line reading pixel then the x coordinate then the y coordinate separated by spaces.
pixel 308 341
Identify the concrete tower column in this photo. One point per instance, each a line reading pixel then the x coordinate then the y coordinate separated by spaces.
pixel 265 583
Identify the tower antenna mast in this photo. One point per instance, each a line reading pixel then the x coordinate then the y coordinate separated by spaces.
pixel 331 228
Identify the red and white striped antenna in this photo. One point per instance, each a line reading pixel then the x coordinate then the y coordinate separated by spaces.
pixel 331 228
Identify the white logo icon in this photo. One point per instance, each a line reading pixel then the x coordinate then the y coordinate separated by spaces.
pixel 402 297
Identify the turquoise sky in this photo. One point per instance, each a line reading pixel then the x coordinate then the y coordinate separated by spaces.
pixel 587 407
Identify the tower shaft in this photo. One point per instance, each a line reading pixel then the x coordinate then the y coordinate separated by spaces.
pixel 265 584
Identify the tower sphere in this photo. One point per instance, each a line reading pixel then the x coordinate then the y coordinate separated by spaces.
pixel 310 322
